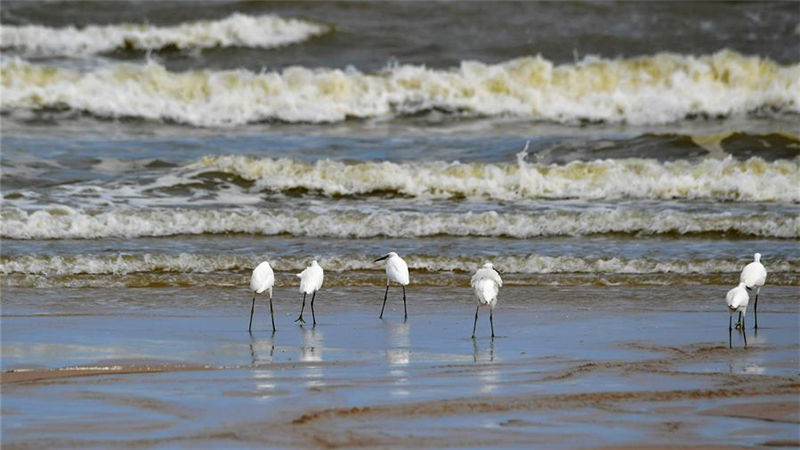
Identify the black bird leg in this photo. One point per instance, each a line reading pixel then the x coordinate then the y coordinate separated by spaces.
pixel 744 333
pixel 385 294
pixel 314 317
pixel 475 323
pixel 272 315
pixel 252 308
pixel 730 330
pixel 300 318
pixel 405 310
pixel 755 310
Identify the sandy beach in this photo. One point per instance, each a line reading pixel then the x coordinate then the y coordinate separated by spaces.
pixel 571 367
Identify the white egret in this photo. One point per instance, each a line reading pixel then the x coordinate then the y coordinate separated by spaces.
pixel 262 281
pixel 397 271
pixel 737 299
pixel 754 275
pixel 486 284
pixel 310 283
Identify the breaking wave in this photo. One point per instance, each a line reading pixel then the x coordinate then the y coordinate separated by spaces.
pixel 647 90
pixel 725 179
pixel 238 30
pixel 123 264
pixel 192 270
pixel 68 223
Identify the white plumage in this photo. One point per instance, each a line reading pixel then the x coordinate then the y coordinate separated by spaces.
pixel 310 282
pixel 311 278
pixel 754 275
pixel 397 271
pixel 737 299
pixel 262 280
pixel 486 283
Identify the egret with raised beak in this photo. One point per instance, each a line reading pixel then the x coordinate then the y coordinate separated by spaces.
pixel 754 275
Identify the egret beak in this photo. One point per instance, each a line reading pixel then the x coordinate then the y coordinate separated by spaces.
pixel 381 258
pixel 748 288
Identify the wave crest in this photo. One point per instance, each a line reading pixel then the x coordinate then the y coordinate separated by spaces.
pixel 523 264
pixel 726 179
pixel 68 223
pixel 238 30
pixel 647 90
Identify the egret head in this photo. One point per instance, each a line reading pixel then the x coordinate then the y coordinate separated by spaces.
pixel 314 263
pixel 388 255
pixel 757 257
pixel 488 265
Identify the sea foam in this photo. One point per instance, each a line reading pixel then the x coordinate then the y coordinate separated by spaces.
pixel 517 264
pixel 68 223
pixel 720 179
pixel 647 90
pixel 238 30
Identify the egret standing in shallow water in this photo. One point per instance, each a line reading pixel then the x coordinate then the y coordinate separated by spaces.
pixel 262 280
pixel 754 275
pixel 737 299
pixel 310 283
pixel 486 284
pixel 397 271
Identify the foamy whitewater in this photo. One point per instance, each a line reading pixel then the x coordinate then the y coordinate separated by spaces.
pixel 653 89
pixel 237 30
pixel 525 264
pixel 68 223
pixel 725 179
pixel 241 180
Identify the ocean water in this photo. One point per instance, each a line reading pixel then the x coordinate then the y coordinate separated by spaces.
pixel 156 144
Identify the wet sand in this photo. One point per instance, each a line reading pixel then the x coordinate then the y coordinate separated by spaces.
pixel 571 367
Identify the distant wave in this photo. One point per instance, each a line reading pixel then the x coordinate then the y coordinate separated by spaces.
pixel 125 264
pixel 647 90
pixel 67 223
pixel 720 179
pixel 238 30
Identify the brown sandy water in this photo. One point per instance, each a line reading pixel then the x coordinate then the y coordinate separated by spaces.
pixel 570 367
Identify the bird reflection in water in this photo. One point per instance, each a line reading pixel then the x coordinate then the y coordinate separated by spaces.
pixel 311 352
pixel 398 356
pixel 486 368
pixel 261 353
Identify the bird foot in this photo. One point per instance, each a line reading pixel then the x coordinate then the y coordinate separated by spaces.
pixel 300 319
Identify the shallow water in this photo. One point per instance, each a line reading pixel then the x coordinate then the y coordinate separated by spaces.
pixel 550 343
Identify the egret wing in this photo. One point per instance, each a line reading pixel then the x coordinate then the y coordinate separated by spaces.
pixel 486 274
pixel 397 269
pixel 263 278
